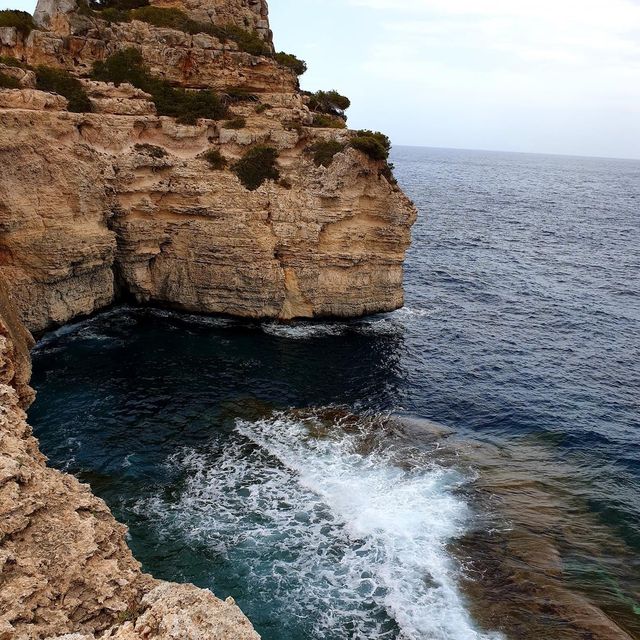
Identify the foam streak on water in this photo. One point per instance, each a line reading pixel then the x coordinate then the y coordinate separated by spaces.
pixel 349 541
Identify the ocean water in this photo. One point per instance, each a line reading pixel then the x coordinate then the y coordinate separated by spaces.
pixel 466 468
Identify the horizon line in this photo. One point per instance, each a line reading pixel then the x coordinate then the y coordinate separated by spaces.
pixel 525 153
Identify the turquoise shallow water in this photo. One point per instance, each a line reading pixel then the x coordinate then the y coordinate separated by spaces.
pixel 255 459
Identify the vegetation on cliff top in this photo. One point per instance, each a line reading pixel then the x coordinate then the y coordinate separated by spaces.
pixel 325 121
pixel 329 102
pixel 187 106
pixel 328 109
pixel 294 63
pixel 325 150
pixel 21 20
pixel 62 82
pixel 373 143
pixel 171 18
pixel 257 165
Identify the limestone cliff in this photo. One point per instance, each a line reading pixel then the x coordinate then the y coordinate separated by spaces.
pixel 117 202
pixel 89 211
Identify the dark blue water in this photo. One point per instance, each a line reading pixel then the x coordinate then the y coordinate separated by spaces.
pixel 521 334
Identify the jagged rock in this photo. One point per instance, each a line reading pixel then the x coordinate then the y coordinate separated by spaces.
pixel 25 77
pixel 122 100
pixel 47 11
pixel 32 100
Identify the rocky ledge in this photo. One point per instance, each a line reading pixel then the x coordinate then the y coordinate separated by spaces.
pixel 270 209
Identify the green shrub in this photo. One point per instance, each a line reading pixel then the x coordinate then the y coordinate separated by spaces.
pixel 248 41
pixel 166 18
pixel 10 61
pixel 187 106
pixel 62 82
pixel 387 172
pixel 123 66
pixel 257 165
pixel 325 121
pixel 8 82
pixel 292 62
pixel 324 151
pixel 375 144
pixel 329 102
pixel 21 20
pixel 235 123
pixel 294 125
pixel 150 150
pixel 262 107
pixel 215 159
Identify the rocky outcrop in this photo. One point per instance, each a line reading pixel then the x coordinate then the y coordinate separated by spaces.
pixel 87 215
pixel 64 563
pixel 122 203
pixel 107 214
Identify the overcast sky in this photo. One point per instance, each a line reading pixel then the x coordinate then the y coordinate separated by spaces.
pixel 554 76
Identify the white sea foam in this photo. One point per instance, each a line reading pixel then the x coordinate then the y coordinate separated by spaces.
pixel 349 541
pixel 304 330
pixel 389 323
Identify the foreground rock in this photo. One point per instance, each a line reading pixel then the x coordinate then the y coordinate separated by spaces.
pixel 64 563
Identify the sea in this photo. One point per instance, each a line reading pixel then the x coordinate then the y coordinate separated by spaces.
pixel 464 468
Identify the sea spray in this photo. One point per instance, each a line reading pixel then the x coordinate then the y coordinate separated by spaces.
pixel 335 537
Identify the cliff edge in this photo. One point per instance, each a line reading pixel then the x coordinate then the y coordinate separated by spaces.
pixel 272 210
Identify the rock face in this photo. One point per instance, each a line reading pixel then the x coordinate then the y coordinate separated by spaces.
pixel 120 203
pixel 64 563
pixel 87 214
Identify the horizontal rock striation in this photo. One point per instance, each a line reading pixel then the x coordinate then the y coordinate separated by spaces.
pixel 121 203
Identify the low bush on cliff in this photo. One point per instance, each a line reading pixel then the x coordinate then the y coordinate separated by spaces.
pixel 325 150
pixel 329 102
pixel 248 41
pixel 235 123
pixel 62 82
pixel 325 121
pixel 215 159
pixel 292 62
pixel 10 61
pixel 171 18
pixel 150 150
pixel 257 165
pixel 375 144
pixel 21 20
pixel 8 82
pixel 187 106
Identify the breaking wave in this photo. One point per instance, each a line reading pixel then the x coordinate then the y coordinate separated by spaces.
pixel 336 534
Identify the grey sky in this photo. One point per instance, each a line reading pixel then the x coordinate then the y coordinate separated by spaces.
pixel 555 76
